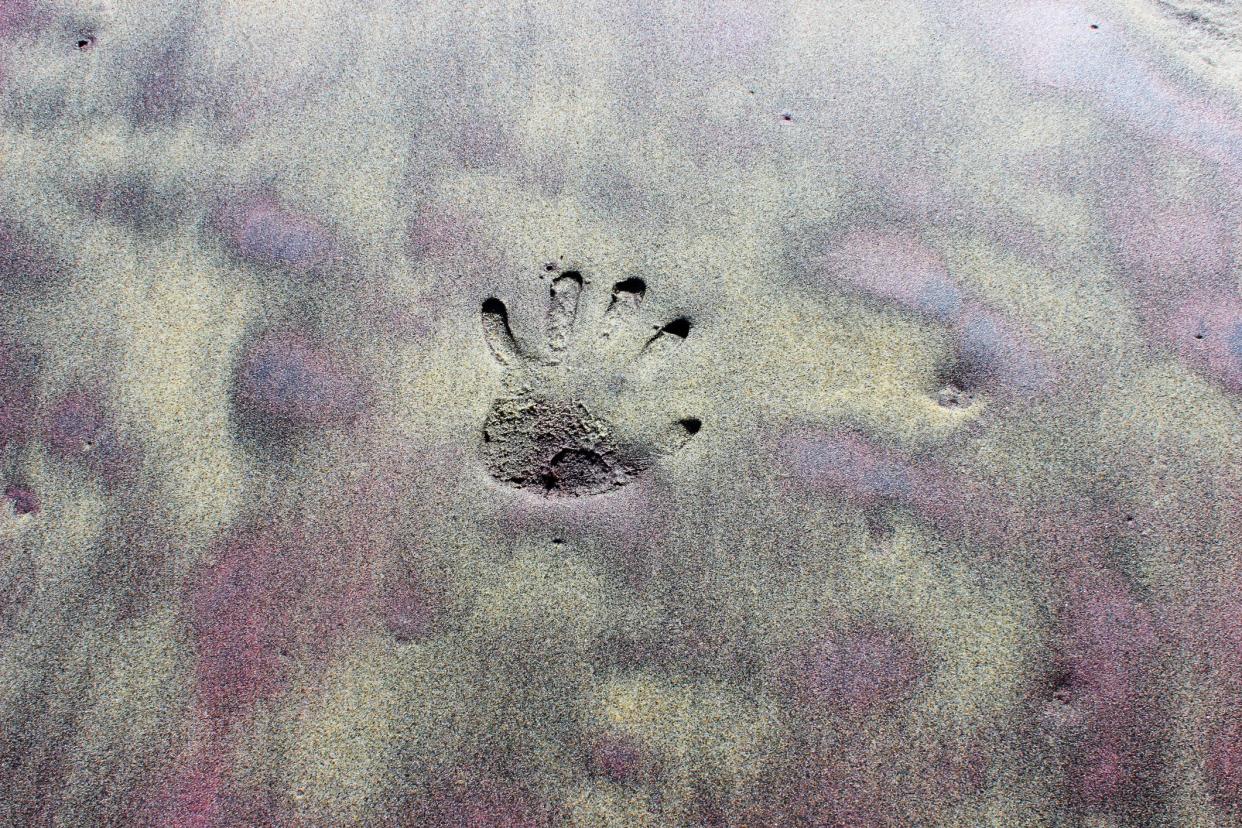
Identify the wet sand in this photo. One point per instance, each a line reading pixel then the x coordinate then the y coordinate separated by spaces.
pixel 619 414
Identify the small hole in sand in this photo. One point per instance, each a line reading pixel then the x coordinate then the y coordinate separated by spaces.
pixel 550 266
pixel 633 285
pixel 85 43
pixel 679 328
pixel 692 425
pixel 1095 25
pixel 786 116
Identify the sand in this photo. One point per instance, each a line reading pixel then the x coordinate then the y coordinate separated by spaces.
pixel 635 413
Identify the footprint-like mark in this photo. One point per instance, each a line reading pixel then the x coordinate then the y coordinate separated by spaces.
pixel 542 433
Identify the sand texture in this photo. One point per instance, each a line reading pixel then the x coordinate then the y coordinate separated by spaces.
pixel 622 414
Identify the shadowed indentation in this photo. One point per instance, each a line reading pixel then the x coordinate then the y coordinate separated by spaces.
pixel 627 296
pixel 557 448
pixel 547 441
pixel 680 433
pixel 627 292
pixel 989 354
pixel 497 332
pixel 563 309
pixel 673 332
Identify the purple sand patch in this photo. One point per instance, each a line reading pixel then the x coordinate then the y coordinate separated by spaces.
pixel 861 671
pixel 991 354
pixel 616 758
pixel 1233 344
pixel 1109 643
pixel 1212 625
pixel 897 267
pixel 285 376
pixel 1207 333
pixel 283 239
pixel 485 804
pixel 25 501
pixel 940 299
pixel 79 428
pixel 267 233
pixel 408 608
pixel 982 342
pixel 25 260
pixel 1224 762
pixel 14 15
pixel 250 610
pixel 1168 246
pixel 75 425
pixel 17 407
pixel 849 465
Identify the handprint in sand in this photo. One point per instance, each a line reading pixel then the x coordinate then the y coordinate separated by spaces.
pixel 582 413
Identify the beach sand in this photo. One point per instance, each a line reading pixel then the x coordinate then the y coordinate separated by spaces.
pixel 630 413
